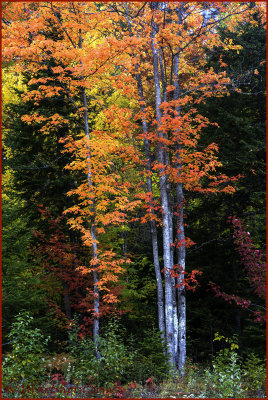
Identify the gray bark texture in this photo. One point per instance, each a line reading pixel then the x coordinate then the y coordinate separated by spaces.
pixel 163 182
pixel 153 229
pixel 181 251
pixel 96 323
pixel 160 292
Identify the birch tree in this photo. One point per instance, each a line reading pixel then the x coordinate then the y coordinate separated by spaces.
pixel 169 57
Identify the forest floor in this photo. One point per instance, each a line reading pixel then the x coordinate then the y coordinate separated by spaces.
pixel 61 376
pixel 169 389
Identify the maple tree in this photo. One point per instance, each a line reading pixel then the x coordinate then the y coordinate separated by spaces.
pixel 155 63
pixel 51 86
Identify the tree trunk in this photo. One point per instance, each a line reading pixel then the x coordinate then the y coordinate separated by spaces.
pixel 92 232
pixel 96 324
pixel 90 186
pixel 160 293
pixel 181 253
pixel 159 284
pixel 163 182
pixel 170 201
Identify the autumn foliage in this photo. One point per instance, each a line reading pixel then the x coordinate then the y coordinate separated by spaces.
pixel 134 75
pixel 60 256
pixel 254 267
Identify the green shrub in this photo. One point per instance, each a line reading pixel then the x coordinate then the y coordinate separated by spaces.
pixel 254 373
pixel 112 366
pixel 116 358
pixel 119 362
pixel 86 366
pixel 25 363
pixel 151 360
pixel 225 378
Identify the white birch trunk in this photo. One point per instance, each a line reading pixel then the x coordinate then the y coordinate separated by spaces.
pixel 175 309
pixel 159 284
pixel 163 182
pixel 160 293
pixel 181 251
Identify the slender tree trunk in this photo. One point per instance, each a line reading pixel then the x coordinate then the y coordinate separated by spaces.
pixel 159 284
pixel 160 293
pixel 181 253
pixel 96 322
pixel 92 230
pixel 90 186
pixel 174 293
pixel 163 182
pixel 170 200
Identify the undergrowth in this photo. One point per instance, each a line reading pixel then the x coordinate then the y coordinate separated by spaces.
pixel 112 368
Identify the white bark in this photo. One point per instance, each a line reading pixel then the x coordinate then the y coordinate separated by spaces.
pixel 171 239
pixel 181 251
pixel 163 182
pixel 159 284
pixel 92 230
pixel 160 293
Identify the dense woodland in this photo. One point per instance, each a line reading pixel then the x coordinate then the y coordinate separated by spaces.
pixel 133 199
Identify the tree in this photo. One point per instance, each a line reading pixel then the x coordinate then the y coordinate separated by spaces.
pixel 35 161
pixel 174 39
pixel 71 83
